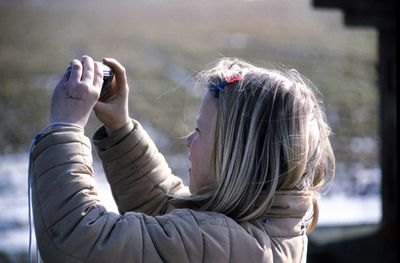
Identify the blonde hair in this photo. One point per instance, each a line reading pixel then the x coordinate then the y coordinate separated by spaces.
pixel 270 134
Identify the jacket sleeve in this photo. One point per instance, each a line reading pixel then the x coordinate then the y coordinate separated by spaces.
pixel 137 172
pixel 71 224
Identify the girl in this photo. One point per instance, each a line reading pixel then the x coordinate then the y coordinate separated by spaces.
pixel 258 156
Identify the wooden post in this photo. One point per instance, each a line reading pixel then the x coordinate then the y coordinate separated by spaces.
pixel 388 149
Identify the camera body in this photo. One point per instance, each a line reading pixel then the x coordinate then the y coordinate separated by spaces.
pixel 108 75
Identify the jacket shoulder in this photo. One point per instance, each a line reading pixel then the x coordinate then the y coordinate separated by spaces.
pixel 213 236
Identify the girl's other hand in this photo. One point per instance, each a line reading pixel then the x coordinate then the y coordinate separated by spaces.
pixel 114 111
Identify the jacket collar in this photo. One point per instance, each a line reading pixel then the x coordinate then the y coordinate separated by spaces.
pixel 287 216
pixel 292 204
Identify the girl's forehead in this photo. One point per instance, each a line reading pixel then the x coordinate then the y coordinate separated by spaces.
pixel 208 110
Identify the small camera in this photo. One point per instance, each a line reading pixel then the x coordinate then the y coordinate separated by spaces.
pixel 108 75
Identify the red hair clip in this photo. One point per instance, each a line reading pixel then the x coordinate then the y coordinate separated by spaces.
pixel 233 75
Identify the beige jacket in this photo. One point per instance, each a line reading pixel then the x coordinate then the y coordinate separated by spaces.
pixel 72 225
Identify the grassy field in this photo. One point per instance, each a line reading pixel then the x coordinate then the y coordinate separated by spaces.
pixel 152 37
pixel 164 44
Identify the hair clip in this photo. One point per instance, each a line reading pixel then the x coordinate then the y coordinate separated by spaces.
pixel 233 75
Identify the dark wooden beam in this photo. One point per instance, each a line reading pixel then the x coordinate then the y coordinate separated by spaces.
pixel 380 247
pixel 374 13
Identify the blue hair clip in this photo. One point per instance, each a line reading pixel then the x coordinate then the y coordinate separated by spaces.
pixel 219 87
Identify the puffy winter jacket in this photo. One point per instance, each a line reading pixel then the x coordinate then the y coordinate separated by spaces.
pixel 72 225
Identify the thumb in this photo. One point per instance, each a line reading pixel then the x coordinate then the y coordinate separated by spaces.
pixel 119 70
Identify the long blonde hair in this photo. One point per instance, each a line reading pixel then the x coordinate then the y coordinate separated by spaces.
pixel 270 134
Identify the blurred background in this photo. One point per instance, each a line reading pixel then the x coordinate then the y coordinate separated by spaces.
pixel 163 45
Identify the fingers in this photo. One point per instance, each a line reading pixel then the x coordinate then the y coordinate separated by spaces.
pixel 65 77
pixel 85 71
pixel 88 69
pixel 98 74
pixel 76 70
pixel 119 70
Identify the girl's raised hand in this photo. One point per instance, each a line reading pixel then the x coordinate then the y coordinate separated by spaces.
pixel 77 92
pixel 113 112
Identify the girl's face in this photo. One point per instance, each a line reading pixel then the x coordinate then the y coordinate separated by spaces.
pixel 199 144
